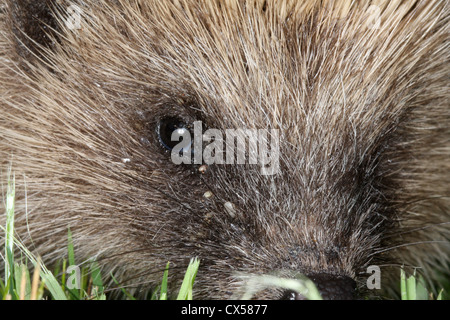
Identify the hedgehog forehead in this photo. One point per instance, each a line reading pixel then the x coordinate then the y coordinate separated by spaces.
pixel 249 68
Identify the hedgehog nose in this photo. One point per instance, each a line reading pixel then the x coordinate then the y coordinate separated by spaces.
pixel 331 287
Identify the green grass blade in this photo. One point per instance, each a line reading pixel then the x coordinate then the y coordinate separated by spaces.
pixel 163 295
pixel 125 292
pixel 403 290
pixel 421 291
pixel 73 292
pixel 185 292
pixel 53 286
pixel 21 271
pixel 9 233
pixel 96 277
pixel 2 289
pixel 63 274
pixel 411 288
pixel 51 282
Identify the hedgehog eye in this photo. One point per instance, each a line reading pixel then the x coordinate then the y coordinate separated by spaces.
pixel 168 126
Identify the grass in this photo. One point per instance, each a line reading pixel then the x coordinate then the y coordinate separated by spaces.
pixel 72 283
pixel 413 288
pixel 69 282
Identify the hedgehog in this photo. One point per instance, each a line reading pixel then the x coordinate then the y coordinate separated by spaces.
pixel 355 95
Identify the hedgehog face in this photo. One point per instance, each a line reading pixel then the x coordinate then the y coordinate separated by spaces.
pixel 350 106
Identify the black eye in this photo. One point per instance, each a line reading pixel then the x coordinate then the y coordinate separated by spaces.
pixel 166 128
